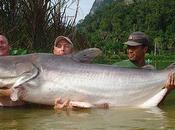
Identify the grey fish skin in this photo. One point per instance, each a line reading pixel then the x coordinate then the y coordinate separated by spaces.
pixel 92 83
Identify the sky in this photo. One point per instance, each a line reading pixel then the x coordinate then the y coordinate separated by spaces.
pixel 84 8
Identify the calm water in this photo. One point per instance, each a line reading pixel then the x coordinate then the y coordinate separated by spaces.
pixel 35 118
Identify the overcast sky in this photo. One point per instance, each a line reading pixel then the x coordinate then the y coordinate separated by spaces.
pixel 84 8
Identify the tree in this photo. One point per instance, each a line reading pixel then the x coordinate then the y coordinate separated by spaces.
pixel 34 24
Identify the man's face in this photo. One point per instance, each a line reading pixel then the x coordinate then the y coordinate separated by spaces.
pixel 4 47
pixel 136 53
pixel 63 47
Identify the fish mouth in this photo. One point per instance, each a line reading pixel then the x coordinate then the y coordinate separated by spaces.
pixel 5 87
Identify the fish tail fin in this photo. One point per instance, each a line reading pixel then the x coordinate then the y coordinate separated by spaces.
pixel 155 100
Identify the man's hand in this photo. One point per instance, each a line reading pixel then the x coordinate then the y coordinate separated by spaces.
pixel 60 105
pixel 75 105
pixel 5 92
pixel 170 83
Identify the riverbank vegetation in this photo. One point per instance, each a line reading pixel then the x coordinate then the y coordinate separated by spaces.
pixel 110 26
pixel 33 25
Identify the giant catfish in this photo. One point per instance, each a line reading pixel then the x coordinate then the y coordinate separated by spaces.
pixel 40 78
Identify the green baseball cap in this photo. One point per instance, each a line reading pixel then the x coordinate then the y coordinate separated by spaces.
pixel 137 38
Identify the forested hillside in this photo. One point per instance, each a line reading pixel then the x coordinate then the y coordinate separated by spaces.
pixel 99 4
pixel 110 26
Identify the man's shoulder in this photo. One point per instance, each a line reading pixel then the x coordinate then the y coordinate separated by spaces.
pixel 129 64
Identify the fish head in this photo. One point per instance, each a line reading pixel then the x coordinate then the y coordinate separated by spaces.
pixel 7 68
pixel 14 72
pixel 7 71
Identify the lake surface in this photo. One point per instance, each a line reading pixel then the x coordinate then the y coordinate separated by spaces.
pixel 36 118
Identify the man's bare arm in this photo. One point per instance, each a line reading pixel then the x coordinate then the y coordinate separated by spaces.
pixel 5 92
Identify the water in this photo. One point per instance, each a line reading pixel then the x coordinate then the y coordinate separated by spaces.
pixel 35 118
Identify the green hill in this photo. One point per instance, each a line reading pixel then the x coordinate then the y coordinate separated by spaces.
pixel 110 26
pixel 98 4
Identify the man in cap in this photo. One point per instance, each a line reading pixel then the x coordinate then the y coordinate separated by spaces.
pixel 5 93
pixel 62 46
pixel 137 46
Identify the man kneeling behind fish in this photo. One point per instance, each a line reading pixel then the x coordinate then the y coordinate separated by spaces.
pixel 5 93
pixel 137 46
pixel 64 46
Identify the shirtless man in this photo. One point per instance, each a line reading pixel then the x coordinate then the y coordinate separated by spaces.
pixel 5 93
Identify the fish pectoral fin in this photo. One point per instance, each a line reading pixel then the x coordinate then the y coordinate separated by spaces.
pixel 26 76
pixel 87 55
pixel 7 82
pixel 155 100
pixel 14 81
pixel 22 77
pixel 15 94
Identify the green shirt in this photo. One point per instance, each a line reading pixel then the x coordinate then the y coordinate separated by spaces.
pixel 125 63
pixel 129 64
